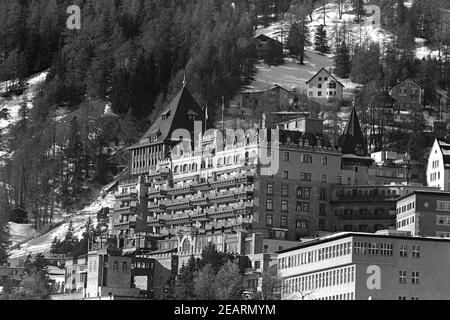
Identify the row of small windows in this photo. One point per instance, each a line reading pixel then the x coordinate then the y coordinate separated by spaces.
pixel 373 248
pixel 305 158
pixel 319 280
pixel 405 222
pixel 443 220
pixel 415 277
pixel 406 207
pixel 342 296
pixel 306 176
pixel 230 160
pixel 315 255
pixel 435 176
pixel 435 164
pixel 301 206
pixel 116 266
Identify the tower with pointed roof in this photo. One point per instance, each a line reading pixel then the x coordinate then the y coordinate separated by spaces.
pixel 352 140
pixel 355 157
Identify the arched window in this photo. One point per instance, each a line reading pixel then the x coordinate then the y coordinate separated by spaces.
pixel 229 160
pixel 219 162
pixel 194 167
pixel 175 170
pixel 185 168
pixel 124 266
pixel 116 266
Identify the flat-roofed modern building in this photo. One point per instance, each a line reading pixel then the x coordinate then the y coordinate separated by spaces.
pixel 389 265
pixel 425 213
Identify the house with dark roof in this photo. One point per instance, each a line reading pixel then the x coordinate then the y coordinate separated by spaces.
pixel 438 167
pixel 274 98
pixel 323 85
pixel 262 42
pixel 156 143
pixel 408 94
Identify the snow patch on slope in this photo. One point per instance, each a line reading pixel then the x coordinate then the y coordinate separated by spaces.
pixel 42 244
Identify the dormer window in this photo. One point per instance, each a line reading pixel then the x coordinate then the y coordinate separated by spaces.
pixel 165 115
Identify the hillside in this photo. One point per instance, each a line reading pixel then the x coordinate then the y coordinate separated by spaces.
pixel 42 243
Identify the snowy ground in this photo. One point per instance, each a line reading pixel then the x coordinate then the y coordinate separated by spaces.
pixel 42 244
pixel 12 105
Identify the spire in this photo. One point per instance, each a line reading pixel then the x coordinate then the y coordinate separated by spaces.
pixel 184 82
pixel 352 140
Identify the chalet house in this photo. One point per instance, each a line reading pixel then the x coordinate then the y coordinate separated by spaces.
pixel 323 85
pixel 262 42
pixel 273 98
pixel 408 95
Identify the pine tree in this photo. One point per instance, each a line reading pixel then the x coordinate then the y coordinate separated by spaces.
pixel 321 41
pixel 342 61
pixel 298 39
pixel 70 241
pixel 184 286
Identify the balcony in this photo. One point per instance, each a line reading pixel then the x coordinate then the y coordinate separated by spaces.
pixel 125 225
pixel 366 217
pixel 126 196
pixel 126 210
pixel 363 197
pixel 154 193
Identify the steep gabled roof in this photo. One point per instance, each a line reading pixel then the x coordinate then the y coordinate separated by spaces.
pixel 445 149
pixel 265 90
pixel 173 117
pixel 413 80
pixel 334 78
pixel 265 37
pixel 352 140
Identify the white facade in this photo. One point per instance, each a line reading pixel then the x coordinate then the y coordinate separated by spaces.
pixel 324 86
pixel 437 172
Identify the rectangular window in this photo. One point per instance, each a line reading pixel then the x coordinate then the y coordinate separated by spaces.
pixel 284 206
pixel 415 277
pixel 301 224
pixel 305 176
pixel 324 161
pixel 416 251
pixel 324 178
pixel 285 174
pixel 322 209
pixel 285 190
pixel 402 277
pixel 270 189
pixel 286 156
pixel 403 250
pixel 283 221
pixel 269 204
pixel 359 247
pixel 307 158
pixel 269 220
